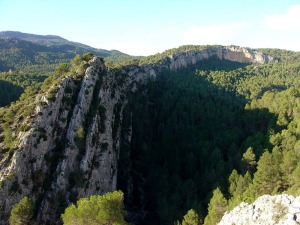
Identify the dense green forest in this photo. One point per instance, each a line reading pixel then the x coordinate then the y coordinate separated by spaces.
pixel 206 127
pixel 204 138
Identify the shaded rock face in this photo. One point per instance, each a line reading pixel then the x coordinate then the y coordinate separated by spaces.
pixel 266 210
pixel 72 147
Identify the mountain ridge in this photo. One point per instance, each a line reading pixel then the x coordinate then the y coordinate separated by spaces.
pixel 49 40
pixel 21 51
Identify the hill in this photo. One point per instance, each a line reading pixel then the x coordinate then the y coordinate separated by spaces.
pixel 56 40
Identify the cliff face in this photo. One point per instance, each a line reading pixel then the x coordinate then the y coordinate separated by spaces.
pixel 72 147
pixel 232 53
pixel 279 209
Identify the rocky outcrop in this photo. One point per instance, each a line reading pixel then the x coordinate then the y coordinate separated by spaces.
pixel 232 53
pixel 72 146
pixel 266 210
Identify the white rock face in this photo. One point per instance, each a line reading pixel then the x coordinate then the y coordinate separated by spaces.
pixel 266 210
pixel 232 53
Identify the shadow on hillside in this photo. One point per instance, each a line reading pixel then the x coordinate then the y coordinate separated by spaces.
pixel 9 93
pixel 187 137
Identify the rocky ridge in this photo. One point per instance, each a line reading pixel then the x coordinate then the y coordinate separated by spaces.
pixel 266 210
pixel 71 149
pixel 232 53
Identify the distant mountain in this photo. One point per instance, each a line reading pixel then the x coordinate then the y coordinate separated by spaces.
pixel 55 40
pixel 20 51
pixel 41 39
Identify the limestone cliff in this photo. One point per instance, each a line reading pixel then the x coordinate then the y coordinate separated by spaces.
pixel 266 210
pixel 72 146
pixel 232 53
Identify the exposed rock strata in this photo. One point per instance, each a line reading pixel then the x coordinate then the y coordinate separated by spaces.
pixel 55 166
pixel 232 53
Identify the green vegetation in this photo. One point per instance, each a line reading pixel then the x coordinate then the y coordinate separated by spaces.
pixel 214 124
pixel 191 218
pixel 216 208
pixel 14 119
pixel 26 60
pixel 80 138
pixel 13 84
pixel 62 68
pixel 185 48
pixel 87 56
pixel 17 116
pixel 22 213
pixel 101 210
pixel 188 135
pixel 28 55
pixel 155 58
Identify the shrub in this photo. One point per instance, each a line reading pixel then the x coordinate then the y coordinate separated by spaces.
pixel 22 212
pixel 80 138
pixel 87 56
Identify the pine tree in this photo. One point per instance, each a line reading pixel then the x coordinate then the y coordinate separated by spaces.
pixel 216 208
pixel 62 68
pixel 268 178
pixel 233 180
pixel 249 161
pixel 295 189
pixel 191 218
pixel 238 185
pixel 288 165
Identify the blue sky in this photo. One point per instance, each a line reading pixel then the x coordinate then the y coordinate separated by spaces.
pixel 143 27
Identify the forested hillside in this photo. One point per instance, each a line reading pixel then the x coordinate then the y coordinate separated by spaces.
pixel 27 59
pixel 192 142
pixel 196 125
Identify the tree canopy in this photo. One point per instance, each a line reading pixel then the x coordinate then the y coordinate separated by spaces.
pixel 107 209
pixel 22 212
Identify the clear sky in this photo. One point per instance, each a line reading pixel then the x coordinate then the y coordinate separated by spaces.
pixel 143 27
